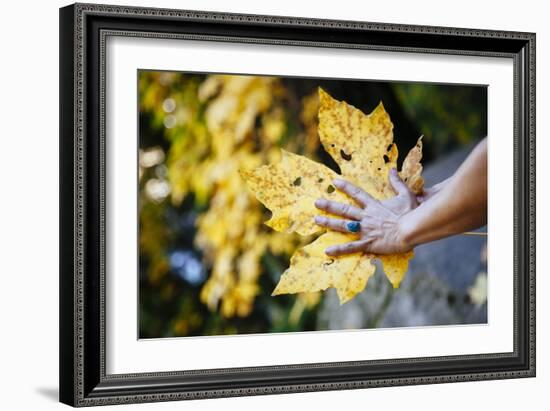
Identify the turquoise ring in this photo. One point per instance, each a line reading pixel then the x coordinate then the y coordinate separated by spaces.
pixel 353 226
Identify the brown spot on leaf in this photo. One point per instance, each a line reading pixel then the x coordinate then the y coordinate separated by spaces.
pixel 330 189
pixel 297 182
pixel 345 155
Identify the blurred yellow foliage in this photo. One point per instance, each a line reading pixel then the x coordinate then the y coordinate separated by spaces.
pixel 226 123
pixel 216 126
pixel 229 231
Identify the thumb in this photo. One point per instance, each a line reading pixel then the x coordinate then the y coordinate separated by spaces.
pixel 397 184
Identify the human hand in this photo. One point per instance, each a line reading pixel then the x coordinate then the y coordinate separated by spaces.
pixel 376 222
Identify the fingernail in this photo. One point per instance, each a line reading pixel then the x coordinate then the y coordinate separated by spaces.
pixel 319 219
pixel 329 250
pixel 320 202
pixel 393 171
pixel 337 182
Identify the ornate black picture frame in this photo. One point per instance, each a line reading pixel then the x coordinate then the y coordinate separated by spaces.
pixel 83 30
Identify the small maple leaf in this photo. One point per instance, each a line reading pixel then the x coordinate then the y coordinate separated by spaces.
pixel 362 146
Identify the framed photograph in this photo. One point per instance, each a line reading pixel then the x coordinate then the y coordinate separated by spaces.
pixel 260 204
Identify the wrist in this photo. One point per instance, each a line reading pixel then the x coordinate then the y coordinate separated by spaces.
pixel 406 231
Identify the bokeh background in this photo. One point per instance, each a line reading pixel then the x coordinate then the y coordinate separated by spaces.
pixel 207 263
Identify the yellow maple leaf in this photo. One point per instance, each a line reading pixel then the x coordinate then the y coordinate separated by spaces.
pixel 289 189
pixel 362 146
pixel 312 270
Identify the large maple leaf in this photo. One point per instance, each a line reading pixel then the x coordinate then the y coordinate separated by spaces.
pixel 362 146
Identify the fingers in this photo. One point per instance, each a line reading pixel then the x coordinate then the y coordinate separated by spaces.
pixel 344 210
pixel 348 248
pixel 354 192
pixel 397 184
pixel 337 224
